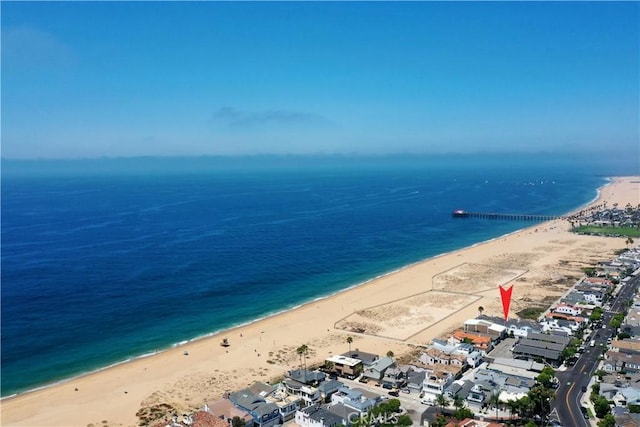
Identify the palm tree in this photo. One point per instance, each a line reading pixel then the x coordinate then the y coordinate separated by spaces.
pixel 480 310
pixel 629 241
pixel 458 401
pixel 302 352
pixel 442 401
pixel 495 400
pixel 349 341
pixel 389 353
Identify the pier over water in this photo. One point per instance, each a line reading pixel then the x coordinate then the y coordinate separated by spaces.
pixel 505 216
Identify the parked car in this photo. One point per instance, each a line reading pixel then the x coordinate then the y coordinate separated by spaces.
pixel 394 393
pixel 406 390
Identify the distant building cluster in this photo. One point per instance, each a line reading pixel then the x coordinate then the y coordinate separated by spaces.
pixel 608 216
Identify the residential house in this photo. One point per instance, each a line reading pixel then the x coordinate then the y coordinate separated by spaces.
pixel 264 414
pixel 621 362
pixel 459 388
pixel 485 327
pixel 433 356
pixel 309 394
pixel 626 346
pixel 476 396
pixel 345 413
pixel 367 359
pixel 394 377
pixel 226 410
pixel 480 342
pixel 315 416
pixel 415 379
pixel 377 369
pixel 357 399
pixel 436 382
pixel 344 366
pixel 262 389
pixel 307 377
pixel 287 404
pixel 597 281
pixel 327 388
pixel 567 309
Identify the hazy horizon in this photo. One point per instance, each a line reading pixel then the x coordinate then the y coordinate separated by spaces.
pixel 130 79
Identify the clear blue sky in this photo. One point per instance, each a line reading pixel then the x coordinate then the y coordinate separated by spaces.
pixel 144 78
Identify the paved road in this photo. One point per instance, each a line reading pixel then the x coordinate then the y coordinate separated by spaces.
pixel 568 394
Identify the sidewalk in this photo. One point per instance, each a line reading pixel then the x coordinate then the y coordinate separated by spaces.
pixel 584 401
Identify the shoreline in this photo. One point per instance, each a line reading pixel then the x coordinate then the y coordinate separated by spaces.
pixel 250 328
pixel 239 326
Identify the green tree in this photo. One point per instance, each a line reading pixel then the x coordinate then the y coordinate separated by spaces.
pixel 546 377
pixel 480 310
pixel 440 421
pixel 442 401
pixel 463 413
pixel 237 422
pixel 389 353
pixel 458 401
pixel 403 420
pixel 601 406
pixel 349 341
pixel 608 421
pixel 596 314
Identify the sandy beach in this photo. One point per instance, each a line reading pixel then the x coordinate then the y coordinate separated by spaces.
pixel 410 306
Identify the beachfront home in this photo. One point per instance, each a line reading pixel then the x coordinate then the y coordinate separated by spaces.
pixel 225 410
pixel 309 394
pixel 287 404
pixel 264 414
pixel 485 327
pixel 262 389
pixel 315 416
pixel 377 369
pixel 307 377
pixel 347 367
pixel 367 359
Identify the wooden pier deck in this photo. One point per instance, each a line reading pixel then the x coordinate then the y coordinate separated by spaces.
pixel 506 216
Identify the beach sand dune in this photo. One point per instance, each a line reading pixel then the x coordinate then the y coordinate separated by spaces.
pixel 412 305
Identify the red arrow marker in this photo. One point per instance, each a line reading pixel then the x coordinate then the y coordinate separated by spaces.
pixel 505 295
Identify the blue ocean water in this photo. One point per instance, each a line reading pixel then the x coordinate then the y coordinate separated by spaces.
pixel 107 260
